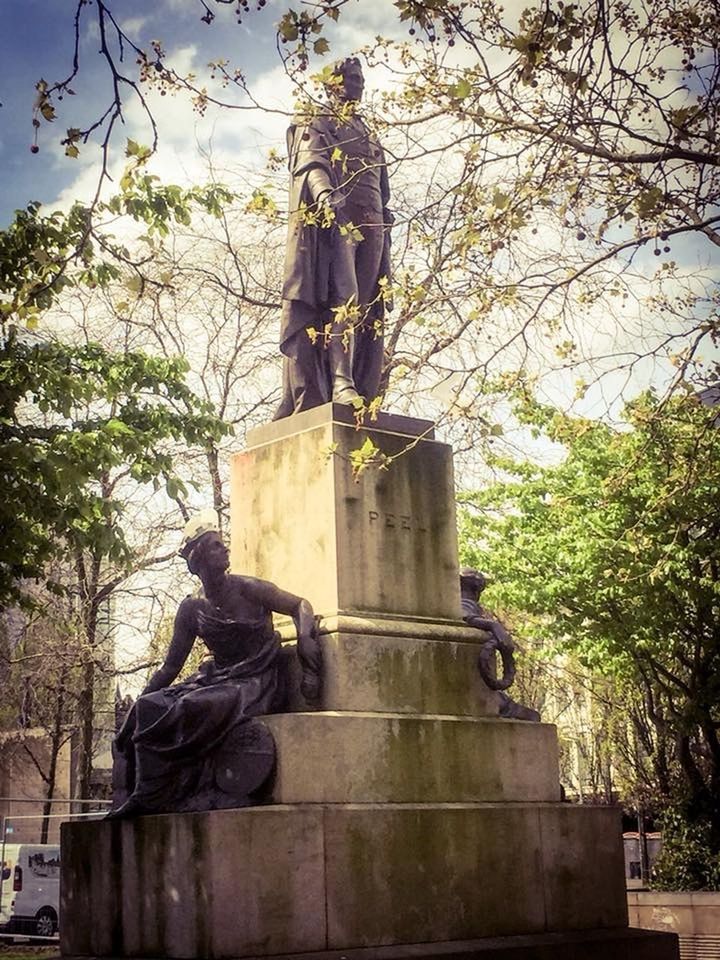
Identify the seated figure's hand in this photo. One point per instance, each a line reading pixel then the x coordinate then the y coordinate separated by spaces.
pixel 503 638
pixel 310 686
pixel 310 655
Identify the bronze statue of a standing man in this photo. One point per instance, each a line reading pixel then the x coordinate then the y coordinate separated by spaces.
pixel 338 177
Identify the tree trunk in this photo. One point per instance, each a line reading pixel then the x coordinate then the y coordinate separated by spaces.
pixel 713 761
pixel 56 742
pixel 86 708
pixel 88 581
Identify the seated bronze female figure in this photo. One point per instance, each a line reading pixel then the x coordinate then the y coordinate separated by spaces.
pixel 197 745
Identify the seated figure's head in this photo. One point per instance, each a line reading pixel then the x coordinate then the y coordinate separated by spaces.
pixel 202 547
pixel 472 582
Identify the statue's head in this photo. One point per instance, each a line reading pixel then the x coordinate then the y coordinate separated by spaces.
pixel 472 581
pixel 353 82
pixel 202 546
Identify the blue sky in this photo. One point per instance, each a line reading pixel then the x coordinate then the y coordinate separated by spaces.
pixel 37 41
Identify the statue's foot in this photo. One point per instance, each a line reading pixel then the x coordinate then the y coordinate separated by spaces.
pixel 511 710
pixel 347 394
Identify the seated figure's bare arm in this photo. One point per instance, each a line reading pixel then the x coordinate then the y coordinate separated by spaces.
pixel 502 637
pixel 184 633
pixel 309 652
pixel 281 601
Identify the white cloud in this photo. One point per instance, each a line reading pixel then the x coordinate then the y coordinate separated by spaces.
pixel 133 25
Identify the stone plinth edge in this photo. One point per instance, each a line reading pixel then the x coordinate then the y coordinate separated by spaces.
pixel 428 669
pixel 383 625
pixel 619 944
pixel 340 413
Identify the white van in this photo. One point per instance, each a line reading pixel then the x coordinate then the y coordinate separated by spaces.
pixel 29 888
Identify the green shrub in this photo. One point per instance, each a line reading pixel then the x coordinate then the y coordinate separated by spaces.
pixel 686 861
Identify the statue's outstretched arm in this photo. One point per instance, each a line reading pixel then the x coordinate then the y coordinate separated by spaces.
pixel 502 637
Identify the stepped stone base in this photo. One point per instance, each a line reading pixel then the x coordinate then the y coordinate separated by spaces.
pixel 408 820
pixel 276 880
pixel 620 944
pixel 395 758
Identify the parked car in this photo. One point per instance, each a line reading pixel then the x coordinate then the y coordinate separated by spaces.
pixel 29 889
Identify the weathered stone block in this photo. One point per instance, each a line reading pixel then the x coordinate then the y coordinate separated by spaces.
pixel 287 880
pixel 394 758
pixel 420 873
pixel 416 671
pixel 693 914
pixel 219 884
pixel 415 874
pixel 583 845
pixel 385 543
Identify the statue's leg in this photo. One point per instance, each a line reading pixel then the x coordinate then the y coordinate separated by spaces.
pixel 340 354
pixel 123 753
pixel 340 344
pixel 368 359
pixel 156 781
pixel 368 256
pixel 123 773
pixel 306 377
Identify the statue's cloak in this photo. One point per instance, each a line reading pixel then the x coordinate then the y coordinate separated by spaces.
pixel 310 287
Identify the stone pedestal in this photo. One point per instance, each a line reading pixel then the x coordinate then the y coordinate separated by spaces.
pixel 383 543
pixel 407 820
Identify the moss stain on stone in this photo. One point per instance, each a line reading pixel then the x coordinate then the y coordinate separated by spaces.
pixel 155 852
pixel 360 887
pixel 200 874
pixel 117 934
pixel 392 669
pixel 138 837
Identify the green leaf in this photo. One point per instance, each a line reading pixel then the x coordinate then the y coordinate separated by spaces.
pixel 500 199
pixel 461 89
pixel 288 27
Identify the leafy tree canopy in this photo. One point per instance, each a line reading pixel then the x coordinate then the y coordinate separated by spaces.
pixel 555 170
pixel 79 422
pixel 43 254
pixel 616 551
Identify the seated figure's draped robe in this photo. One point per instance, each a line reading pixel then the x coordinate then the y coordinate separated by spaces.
pixel 195 745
